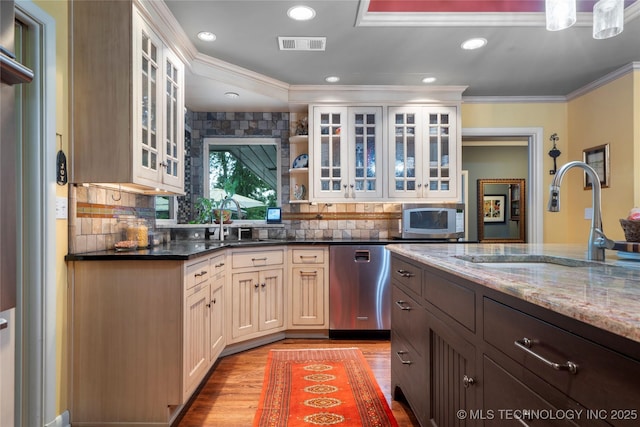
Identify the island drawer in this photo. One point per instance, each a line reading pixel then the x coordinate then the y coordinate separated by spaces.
pixel 407 274
pixel 257 258
pixel 409 319
pixel 308 256
pixel 197 272
pixel 409 371
pixel 506 397
pixel 603 380
pixel 456 301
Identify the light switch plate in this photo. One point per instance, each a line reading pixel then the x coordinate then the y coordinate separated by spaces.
pixel 61 208
pixel 588 213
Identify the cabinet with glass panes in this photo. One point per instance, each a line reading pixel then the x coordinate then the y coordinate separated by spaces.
pixel 423 153
pixel 347 161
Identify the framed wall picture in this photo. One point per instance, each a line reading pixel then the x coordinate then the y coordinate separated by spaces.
pixel 598 159
pixel 494 206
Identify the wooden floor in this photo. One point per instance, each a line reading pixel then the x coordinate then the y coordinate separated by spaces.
pixel 230 396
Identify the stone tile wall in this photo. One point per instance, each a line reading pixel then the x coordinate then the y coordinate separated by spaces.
pixel 301 221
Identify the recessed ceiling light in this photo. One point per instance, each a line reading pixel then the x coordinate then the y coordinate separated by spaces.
pixel 232 95
pixel 428 80
pixel 301 13
pixel 206 36
pixel 332 79
pixel 475 43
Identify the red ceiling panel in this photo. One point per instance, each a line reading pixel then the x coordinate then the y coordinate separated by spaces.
pixel 470 5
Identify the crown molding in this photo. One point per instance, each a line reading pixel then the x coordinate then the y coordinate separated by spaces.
pixel 513 99
pixel 608 78
pixel 387 94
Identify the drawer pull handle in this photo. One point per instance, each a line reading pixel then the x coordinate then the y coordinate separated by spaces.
pixel 258 259
pixel 402 305
pixel 525 345
pixel 219 265
pixel 308 256
pixel 405 273
pixel 399 354
pixel 468 381
pixel 308 273
pixel 202 273
pixel 3 324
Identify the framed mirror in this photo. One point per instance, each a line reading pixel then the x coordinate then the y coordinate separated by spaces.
pixel 502 208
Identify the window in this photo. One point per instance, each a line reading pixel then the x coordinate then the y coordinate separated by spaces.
pixel 246 169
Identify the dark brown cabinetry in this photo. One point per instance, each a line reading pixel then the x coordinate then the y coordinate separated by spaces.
pixel 432 364
pixel 464 354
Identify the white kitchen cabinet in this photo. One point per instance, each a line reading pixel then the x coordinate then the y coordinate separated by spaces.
pixel 196 336
pixel 257 293
pixel 216 306
pixel 127 101
pixel 347 160
pixel 309 292
pixel 424 152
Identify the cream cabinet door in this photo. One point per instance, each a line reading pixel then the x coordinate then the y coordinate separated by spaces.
pixel 158 109
pixel 244 304
pixel 271 299
pixel 196 337
pixel 216 324
pixel 424 153
pixel 308 301
pixel 347 161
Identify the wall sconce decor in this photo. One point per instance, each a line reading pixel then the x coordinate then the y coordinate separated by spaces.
pixel 554 153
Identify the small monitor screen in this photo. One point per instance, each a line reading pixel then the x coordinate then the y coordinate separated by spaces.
pixel 274 215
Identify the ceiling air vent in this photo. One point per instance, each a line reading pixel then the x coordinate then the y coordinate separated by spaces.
pixel 302 43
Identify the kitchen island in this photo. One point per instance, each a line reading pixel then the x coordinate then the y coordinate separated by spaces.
pixel 496 334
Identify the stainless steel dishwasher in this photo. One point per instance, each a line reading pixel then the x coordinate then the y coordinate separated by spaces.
pixel 359 295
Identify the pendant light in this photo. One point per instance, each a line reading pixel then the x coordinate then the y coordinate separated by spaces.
pixel 560 14
pixel 608 18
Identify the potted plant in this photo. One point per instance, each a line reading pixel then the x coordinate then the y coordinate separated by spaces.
pixel 224 213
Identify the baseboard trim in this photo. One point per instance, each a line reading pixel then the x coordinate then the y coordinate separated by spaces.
pixel 62 420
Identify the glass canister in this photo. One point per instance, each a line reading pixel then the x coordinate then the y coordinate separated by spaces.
pixel 139 232
pixel 143 234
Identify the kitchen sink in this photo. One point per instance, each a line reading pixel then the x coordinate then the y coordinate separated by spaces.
pixel 526 260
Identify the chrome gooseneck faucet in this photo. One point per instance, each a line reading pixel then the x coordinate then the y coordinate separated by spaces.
pixel 222 205
pixel 597 240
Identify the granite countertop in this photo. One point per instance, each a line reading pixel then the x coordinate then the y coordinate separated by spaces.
pixel 189 249
pixel 603 294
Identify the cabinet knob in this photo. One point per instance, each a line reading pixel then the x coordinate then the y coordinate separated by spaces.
pixel 263 285
pixel 468 381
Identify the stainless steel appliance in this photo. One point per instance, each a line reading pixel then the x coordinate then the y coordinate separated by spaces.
pixel 432 221
pixel 359 295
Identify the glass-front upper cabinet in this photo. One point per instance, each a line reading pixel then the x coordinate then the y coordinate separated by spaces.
pixel 423 147
pixel 346 146
pixel 127 105
pixel 159 102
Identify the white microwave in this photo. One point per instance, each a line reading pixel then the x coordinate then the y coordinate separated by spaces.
pixel 432 221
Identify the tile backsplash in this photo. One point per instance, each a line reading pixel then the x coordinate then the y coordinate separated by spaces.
pixel 96 216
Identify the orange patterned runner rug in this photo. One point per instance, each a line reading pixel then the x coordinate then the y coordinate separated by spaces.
pixel 321 387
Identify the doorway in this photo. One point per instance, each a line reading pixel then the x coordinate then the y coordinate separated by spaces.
pixel 35 389
pixel 527 144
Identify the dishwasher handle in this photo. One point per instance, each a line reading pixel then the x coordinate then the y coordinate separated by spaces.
pixel 362 255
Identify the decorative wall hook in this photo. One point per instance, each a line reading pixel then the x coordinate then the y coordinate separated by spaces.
pixel 554 153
